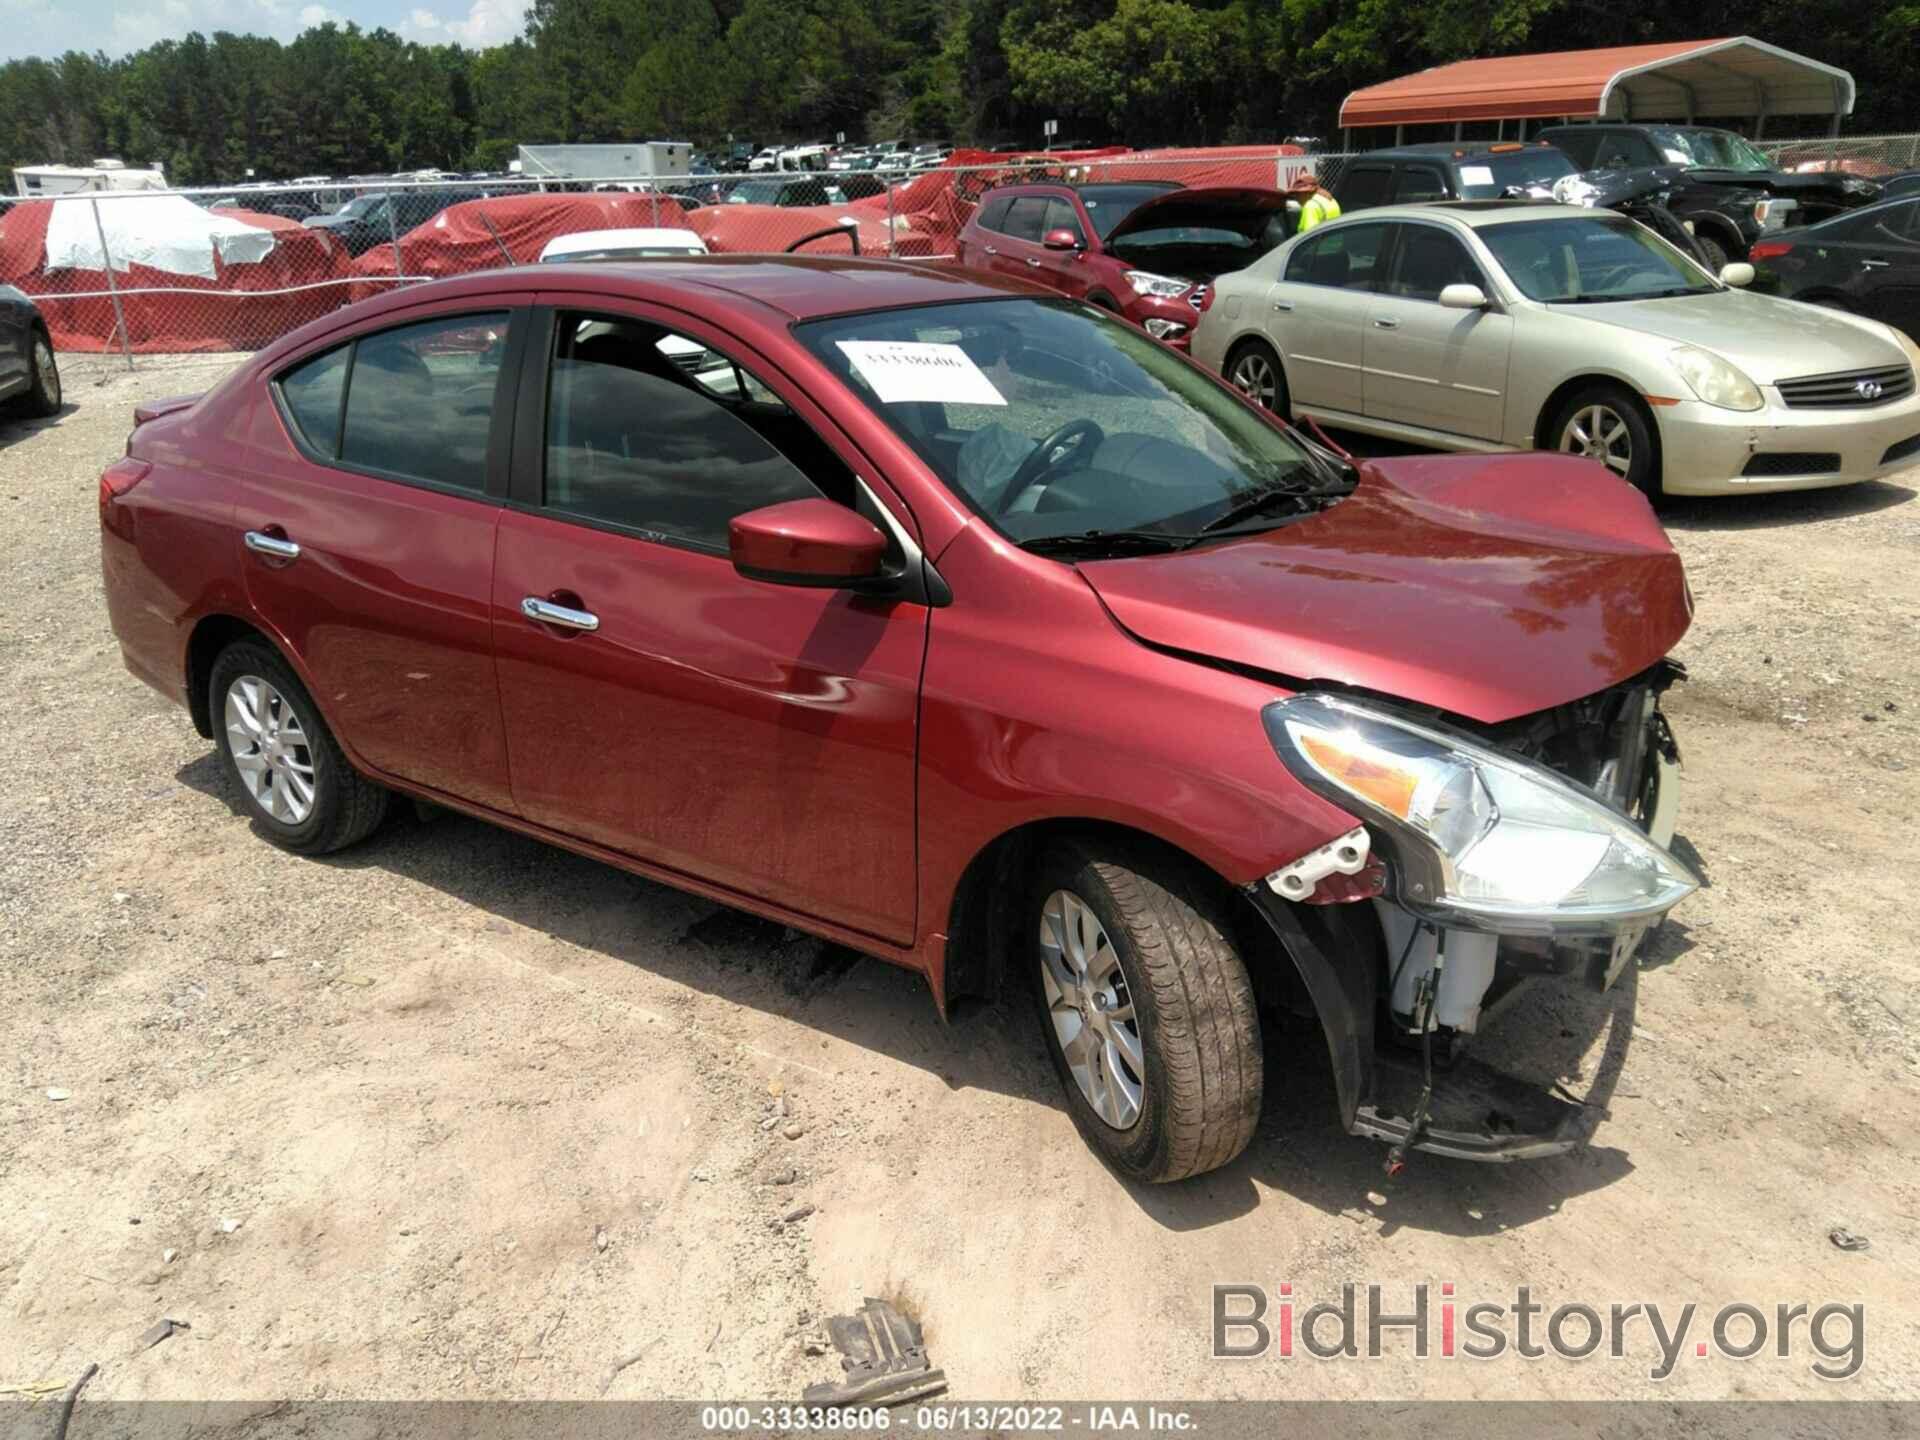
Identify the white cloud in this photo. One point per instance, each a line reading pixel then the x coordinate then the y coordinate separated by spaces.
pixel 51 27
pixel 312 15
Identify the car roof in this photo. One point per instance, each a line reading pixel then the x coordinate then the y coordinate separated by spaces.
pixel 1477 214
pixel 1451 150
pixel 800 287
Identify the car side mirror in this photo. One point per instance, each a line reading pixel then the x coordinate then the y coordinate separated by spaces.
pixel 1464 297
pixel 1061 240
pixel 1739 274
pixel 811 542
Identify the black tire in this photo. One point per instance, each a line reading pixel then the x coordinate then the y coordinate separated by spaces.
pixel 1643 471
pixel 1246 356
pixel 1193 1016
pixel 346 807
pixel 1713 250
pixel 43 399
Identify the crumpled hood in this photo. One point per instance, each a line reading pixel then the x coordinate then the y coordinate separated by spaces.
pixel 1849 190
pixel 1770 339
pixel 1489 586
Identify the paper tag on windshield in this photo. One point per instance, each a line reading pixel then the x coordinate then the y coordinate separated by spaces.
pixel 1476 174
pixel 905 371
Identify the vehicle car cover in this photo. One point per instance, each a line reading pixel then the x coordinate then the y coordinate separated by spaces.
pixel 188 279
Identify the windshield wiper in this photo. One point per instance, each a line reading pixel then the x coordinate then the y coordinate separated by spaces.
pixel 1258 502
pixel 1097 542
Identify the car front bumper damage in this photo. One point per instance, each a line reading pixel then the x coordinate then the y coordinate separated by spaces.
pixel 1403 1073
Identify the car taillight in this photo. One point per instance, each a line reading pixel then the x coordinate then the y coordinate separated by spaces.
pixel 116 480
pixel 1769 250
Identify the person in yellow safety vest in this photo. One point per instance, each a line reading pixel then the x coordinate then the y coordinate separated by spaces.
pixel 1316 205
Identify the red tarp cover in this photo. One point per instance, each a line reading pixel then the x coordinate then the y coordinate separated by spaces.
pixel 187 315
pixel 482 234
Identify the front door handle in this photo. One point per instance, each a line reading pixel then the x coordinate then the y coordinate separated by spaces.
pixel 548 613
pixel 277 546
pixel 1033 262
pixel 1874 264
pixel 1384 324
pixel 993 249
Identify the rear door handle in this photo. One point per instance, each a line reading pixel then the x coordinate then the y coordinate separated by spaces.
pixel 993 249
pixel 1033 262
pixel 1283 305
pixel 263 544
pixel 548 613
pixel 1385 324
pixel 1874 264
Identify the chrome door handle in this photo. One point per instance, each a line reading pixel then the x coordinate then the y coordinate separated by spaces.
pixel 1283 305
pixel 1033 262
pixel 993 249
pixel 1874 264
pixel 1386 324
pixel 264 544
pixel 548 613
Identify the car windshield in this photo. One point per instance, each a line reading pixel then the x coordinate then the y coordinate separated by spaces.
pixel 1108 205
pixel 1055 421
pixel 1591 259
pixel 360 207
pixel 1488 177
pixel 1711 149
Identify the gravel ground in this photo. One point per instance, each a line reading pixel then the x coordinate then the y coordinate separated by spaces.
pixel 455 1114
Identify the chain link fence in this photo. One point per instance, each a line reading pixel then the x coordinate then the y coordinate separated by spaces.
pixel 1872 157
pixel 166 272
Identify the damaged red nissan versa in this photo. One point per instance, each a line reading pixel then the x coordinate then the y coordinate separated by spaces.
pixel 964 625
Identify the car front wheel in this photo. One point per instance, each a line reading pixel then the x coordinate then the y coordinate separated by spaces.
pixel 296 784
pixel 43 399
pixel 1146 1010
pixel 1606 423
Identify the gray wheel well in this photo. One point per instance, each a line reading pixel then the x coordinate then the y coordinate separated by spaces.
pixel 211 635
pixel 982 924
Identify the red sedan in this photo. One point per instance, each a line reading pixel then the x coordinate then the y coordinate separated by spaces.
pixel 962 625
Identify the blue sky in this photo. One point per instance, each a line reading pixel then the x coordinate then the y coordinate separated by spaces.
pixel 48 27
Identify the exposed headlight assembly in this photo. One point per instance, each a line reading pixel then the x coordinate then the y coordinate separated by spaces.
pixel 1479 839
pixel 1159 287
pixel 1714 380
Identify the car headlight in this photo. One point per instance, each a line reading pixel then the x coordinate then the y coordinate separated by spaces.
pixel 1714 380
pixel 1164 329
pixel 1160 287
pixel 1479 839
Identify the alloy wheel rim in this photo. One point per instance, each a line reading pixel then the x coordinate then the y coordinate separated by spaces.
pixel 1599 432
pixel 270 750
pixel 1253 377
pixel 1091 1010
pixel 45 370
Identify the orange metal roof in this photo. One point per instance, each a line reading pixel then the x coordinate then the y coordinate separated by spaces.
pixel 1737 75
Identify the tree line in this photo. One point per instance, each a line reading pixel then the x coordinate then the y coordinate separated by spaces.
pixel 341 100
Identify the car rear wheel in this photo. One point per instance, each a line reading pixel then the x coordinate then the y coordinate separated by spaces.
pixel 1146 1009
pixel 1254 370
pixel 43 399
pixel 295 782
pixel 1715 252
pixel 1608 424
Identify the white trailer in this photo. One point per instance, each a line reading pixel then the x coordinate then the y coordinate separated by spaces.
pixel 642 160
pixel 41 180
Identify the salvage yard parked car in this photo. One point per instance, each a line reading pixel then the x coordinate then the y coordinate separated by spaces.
pixel 29 374
pixel 1511 325
pixel 1145 249
pixel 981 633
pixel 1866 262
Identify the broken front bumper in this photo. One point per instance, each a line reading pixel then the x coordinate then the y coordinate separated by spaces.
pixel 1382 1066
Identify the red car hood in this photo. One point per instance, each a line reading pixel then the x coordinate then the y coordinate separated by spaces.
pixel 1489 586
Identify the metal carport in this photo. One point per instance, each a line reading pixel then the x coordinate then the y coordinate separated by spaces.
pixel 1681 80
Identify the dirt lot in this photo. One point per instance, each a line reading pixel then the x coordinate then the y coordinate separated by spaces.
pixel 457 1114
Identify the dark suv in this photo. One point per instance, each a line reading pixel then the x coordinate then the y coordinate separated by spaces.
pixel 1728 189
pixel 377 217
pixel 1409 174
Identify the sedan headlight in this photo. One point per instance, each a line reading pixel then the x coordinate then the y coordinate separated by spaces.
pixel 1159 287
pixel 1714 380
pixel 1480 839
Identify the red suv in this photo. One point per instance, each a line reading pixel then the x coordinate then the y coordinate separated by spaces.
pixel 1146 249
pixel 962 625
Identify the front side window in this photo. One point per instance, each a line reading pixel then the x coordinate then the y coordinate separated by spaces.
pixel 1426 261
pixel 420 400
pixel 1052 420
pixel 656 433
pixel 1343 257
pixel 1590 260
